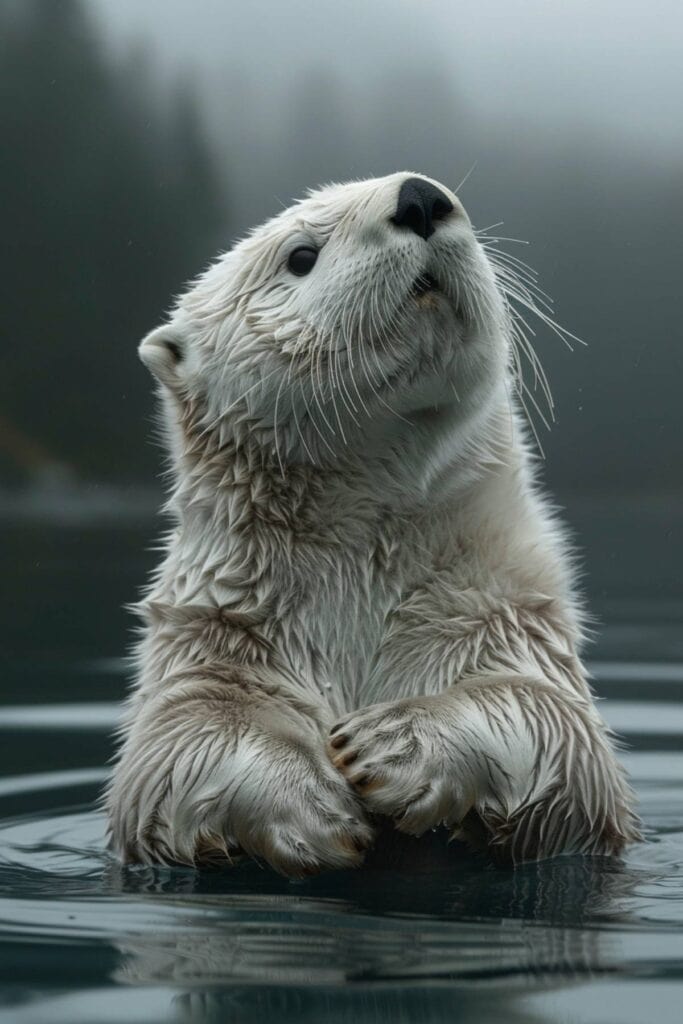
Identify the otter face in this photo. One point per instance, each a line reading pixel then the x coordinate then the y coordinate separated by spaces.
pixel 341 322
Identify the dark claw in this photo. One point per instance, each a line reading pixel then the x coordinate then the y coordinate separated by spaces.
pixel 339 741
pixel 349 759
pixel 362 780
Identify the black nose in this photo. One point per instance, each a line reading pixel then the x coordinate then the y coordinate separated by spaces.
pixel 419 204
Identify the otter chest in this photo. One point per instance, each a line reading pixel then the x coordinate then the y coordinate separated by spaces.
pixel 332 606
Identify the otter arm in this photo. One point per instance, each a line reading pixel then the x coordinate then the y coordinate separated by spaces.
pixel 224 762
pixel 515 745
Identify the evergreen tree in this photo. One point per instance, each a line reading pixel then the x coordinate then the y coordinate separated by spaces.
pixel 110 204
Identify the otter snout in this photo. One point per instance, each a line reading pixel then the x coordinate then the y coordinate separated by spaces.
pixel 420 204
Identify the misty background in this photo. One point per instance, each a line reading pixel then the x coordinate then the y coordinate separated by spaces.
pixel 138 139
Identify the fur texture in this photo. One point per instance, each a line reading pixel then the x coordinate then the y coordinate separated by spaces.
pixel 365 606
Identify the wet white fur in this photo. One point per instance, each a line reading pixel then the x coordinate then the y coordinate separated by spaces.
pixel 356 536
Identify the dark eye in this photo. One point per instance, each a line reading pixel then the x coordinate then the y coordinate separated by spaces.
pixel 302 260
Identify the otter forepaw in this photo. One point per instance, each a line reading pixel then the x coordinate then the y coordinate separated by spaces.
pixel 274 801
pixel 397 759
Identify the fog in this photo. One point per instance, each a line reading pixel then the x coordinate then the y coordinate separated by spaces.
pixel 143 137
pixel 515 64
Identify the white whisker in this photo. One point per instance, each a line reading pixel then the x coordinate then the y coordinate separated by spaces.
pixel 298 426
pixel 456 190
pixel 275 434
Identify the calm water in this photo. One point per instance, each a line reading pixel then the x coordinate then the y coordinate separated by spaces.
pixel 422 933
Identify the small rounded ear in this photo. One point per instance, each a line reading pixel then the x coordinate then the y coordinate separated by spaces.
pixel 162 351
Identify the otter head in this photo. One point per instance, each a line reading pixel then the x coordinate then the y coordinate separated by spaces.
pixel 364 314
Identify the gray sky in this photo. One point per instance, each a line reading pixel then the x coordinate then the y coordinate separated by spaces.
pixel 615 67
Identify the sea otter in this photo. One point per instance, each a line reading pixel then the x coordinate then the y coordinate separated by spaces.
pixel 366 608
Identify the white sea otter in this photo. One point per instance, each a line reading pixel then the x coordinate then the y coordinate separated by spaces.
pixel 365 606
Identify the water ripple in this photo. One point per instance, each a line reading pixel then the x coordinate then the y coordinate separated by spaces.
pixel 421 932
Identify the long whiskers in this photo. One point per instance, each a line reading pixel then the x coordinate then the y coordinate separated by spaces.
pixel 518 285
pixel 275 433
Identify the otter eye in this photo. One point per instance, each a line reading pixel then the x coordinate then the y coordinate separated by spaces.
pixel 302 260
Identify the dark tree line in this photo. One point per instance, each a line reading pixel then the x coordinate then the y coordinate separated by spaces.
pixel 110 201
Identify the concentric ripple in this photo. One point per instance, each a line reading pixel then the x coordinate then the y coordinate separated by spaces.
pixel 423 932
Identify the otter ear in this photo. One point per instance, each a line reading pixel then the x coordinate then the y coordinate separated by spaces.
pixel 162 351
